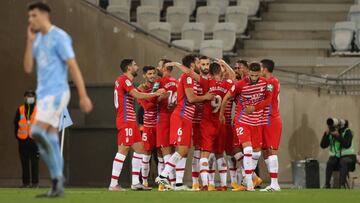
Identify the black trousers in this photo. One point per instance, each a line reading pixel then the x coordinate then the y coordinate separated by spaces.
pixel 29 157
pixel 343 164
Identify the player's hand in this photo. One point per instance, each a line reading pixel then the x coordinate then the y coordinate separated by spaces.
pixel 86 104
pixel 209 96
pixel 249 109
pixel 160 92
pixel 30 34
pixel 222 118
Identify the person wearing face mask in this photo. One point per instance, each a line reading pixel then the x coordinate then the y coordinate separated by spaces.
pixel 29 155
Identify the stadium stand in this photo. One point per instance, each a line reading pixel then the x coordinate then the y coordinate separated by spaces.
pixel 209 16
pixel 190 4
pixel 222 5
pixel 195 32
pixel 162 30
pixel 187 44
pixel 177 17
pixel 120 3
pixel 120 11
pixel 226 32
pixel 342 36
pixel 147 14
pixel 253 6
pixel 212 48
pixel 155 3
pixel 238 15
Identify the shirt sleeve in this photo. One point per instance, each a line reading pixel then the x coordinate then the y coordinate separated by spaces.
pixel 64 48
pixel 268 97
pixel 235 89
pixel 188 82
pixel 127 85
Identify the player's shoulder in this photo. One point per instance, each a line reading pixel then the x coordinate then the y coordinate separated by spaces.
pixel 60 33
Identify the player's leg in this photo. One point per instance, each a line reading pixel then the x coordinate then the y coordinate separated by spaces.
pixel 149 143
pixel 180 171
pixel 204 169
pixel 136 161
pixel 231 161
pixel 272 136
pixel 212 170
pixel 222 169
pixel 167 152
pixel 195 165
pixel 117 167
pixel 161 163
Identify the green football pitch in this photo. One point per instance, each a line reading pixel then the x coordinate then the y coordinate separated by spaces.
pixel 102 195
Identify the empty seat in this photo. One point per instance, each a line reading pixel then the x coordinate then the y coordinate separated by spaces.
pixel 225 32
pixel 222 5
pixel 177 17
pixel 189 4
pixel 147 14
pixel 162 30
pixel 184 43
pixel 120 3
pixel 354 13
pixel 342 36
pixel 156 3
pixel 212 48
pixel 253 5
pixel 239 16
pixel 120 11
pixel 208 15
pixel 195 32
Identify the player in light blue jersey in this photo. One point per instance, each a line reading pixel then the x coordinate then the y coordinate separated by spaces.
pixel 50 48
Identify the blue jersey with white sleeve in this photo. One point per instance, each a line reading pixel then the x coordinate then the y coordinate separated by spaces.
pixel 51 51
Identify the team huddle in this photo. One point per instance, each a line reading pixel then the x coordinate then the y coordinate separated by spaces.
pixel 196 111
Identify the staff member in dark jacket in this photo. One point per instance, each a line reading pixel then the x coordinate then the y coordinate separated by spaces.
pixel 29 155
pixel 342 152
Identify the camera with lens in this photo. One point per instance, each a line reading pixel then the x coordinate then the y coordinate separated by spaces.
pixel 335 124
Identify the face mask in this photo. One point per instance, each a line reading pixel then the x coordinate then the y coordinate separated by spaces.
pixel 30 100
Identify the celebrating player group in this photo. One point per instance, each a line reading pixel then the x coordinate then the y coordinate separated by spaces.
pixel 196 111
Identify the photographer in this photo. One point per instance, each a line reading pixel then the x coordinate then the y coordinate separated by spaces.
pixel 339 139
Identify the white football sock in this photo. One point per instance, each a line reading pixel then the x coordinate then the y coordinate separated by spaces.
pixel 136 167
pixel 180 170
pixel 222 168
pixel 248 166
pixel 171 164
pixel 145 168
pixel 195 167
pixel 161 164
pixel 273 170
pixel 117 168
pixel 204 171
pixel 232 169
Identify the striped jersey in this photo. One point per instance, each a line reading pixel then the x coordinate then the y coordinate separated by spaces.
pixel 228 111
pixel 170 85
pixel 184 108
pixel 150 107
pixel 251 94
pixel 123 101
pixel 198 90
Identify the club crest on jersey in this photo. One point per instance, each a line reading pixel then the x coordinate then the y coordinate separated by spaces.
pixel 269 87
pixel 128 83
pixel 189 80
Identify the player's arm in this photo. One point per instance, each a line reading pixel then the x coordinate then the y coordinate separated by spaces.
pixel 223 106
pixel 262 104
pixel 192 98
pixel 146 104
pixel 140 95
pixel 28 58
pixel 85 102
pixel 229 72
pixel 186 70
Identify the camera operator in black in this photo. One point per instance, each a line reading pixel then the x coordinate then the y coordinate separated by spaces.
pixel 339 139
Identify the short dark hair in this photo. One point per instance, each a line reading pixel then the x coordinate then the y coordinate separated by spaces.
pixel 165 61
pixel 147 68
pixel 188 60
pixel 202 57
pixel 29 93
pixel 255 66
pixel 214 68
pixel 39 5
pixel 243 62
pixel 125 63
pixel 268 64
